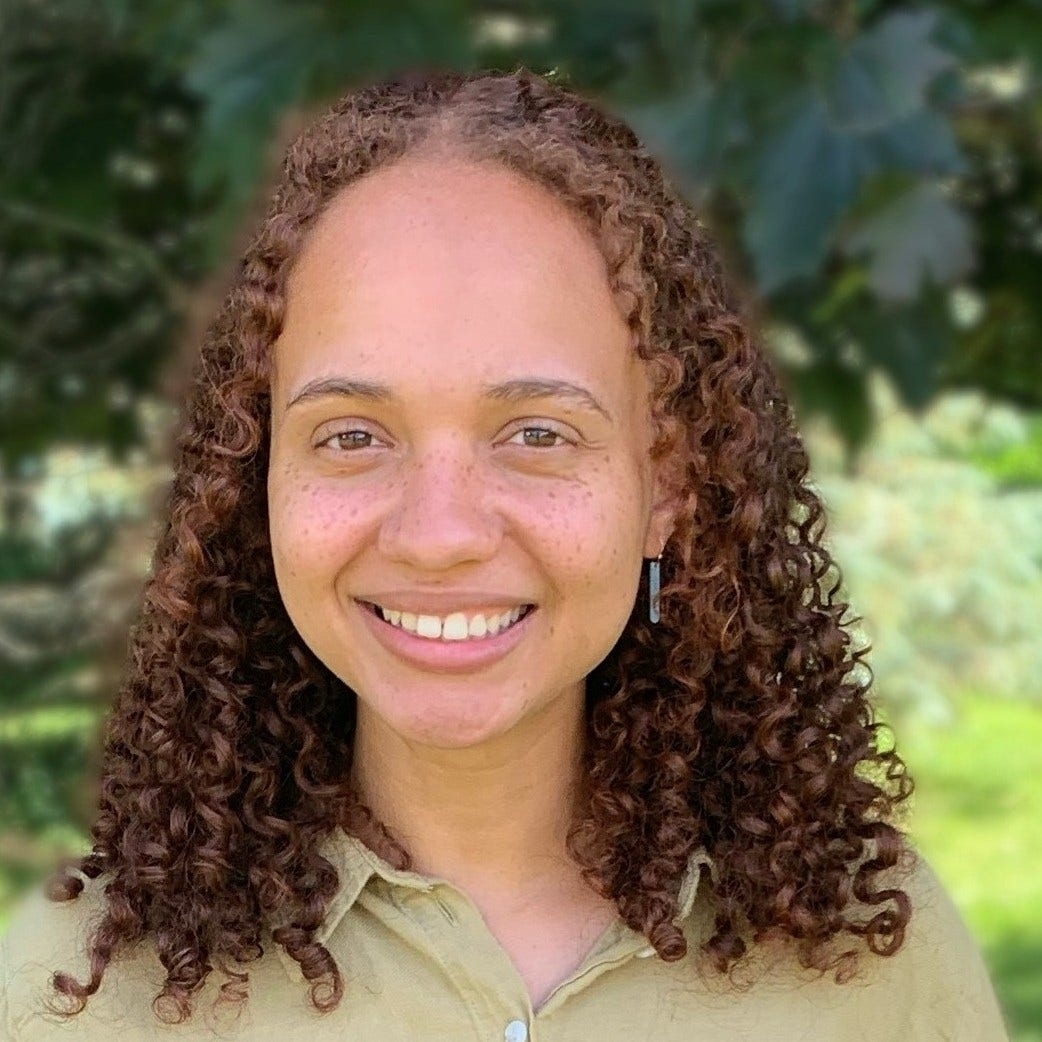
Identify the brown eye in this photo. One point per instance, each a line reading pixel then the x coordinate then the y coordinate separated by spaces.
pixel 348 440
pixel 545 436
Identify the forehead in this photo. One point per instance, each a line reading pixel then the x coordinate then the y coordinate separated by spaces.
pixel 436 267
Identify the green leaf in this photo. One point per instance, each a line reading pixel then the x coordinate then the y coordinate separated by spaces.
pixel 808 174
pixel 911 342
pixel 790 10
pixel 924 142
pixel 919 236
pixel 247 71
pixel 883 76
pixel 691 130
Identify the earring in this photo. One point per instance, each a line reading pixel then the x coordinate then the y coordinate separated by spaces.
pixel 654 582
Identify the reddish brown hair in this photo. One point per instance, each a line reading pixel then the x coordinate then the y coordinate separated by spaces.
pixel 740 721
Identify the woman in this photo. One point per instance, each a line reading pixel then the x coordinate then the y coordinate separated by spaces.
pixel 411 741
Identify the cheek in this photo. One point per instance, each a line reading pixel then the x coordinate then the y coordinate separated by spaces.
pixel 589 529
pixel 315 527
pixel 590 548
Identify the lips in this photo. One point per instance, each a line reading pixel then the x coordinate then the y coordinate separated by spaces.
pixel 446 656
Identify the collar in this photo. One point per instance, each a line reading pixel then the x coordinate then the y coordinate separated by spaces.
pixel 356 864
pixel 689 883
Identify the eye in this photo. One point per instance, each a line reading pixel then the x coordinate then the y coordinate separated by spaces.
pixel 545 433
pixel 348 440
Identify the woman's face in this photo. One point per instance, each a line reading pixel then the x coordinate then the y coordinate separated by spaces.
pixel 421 458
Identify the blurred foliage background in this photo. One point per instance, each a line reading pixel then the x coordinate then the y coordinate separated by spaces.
pixel 872 171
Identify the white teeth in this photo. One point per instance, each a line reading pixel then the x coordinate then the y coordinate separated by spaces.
pixel 455 627
pixel 428 626
pixel 452 627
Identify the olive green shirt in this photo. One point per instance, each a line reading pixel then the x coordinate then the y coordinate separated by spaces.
pixel 420 963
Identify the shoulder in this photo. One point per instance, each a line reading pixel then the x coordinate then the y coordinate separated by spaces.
pixel 41 938
pixel 934 986
pixel 39 926
pixel 45 936
pixel 945 958
pixel 936 933
pixel 937 978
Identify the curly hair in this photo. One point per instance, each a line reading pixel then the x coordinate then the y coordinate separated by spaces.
pixel 740 721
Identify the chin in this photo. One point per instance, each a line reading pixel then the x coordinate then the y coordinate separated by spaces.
pixel 452 722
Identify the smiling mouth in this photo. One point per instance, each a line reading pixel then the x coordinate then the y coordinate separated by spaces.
pixel 453 629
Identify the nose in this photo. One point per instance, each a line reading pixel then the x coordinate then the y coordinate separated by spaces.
pixel 440 518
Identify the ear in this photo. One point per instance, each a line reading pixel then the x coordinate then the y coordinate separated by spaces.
pixel 667 497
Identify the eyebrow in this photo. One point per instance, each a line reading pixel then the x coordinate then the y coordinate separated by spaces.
pixel 516 390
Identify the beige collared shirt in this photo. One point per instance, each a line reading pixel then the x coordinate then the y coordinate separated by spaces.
pixel 420 964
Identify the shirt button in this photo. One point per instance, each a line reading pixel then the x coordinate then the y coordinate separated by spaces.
pixel 516 1031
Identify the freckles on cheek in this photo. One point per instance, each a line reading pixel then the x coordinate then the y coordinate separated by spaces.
pixel 585 526
pixel 320 523
pixel 616 514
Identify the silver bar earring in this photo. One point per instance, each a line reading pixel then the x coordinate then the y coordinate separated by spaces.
pixel 654 581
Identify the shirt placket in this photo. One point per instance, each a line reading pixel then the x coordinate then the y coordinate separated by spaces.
pixel 617 946
pixel 486 977
pixel 477 965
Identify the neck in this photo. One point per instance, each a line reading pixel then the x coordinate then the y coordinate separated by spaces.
pixel 491 818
